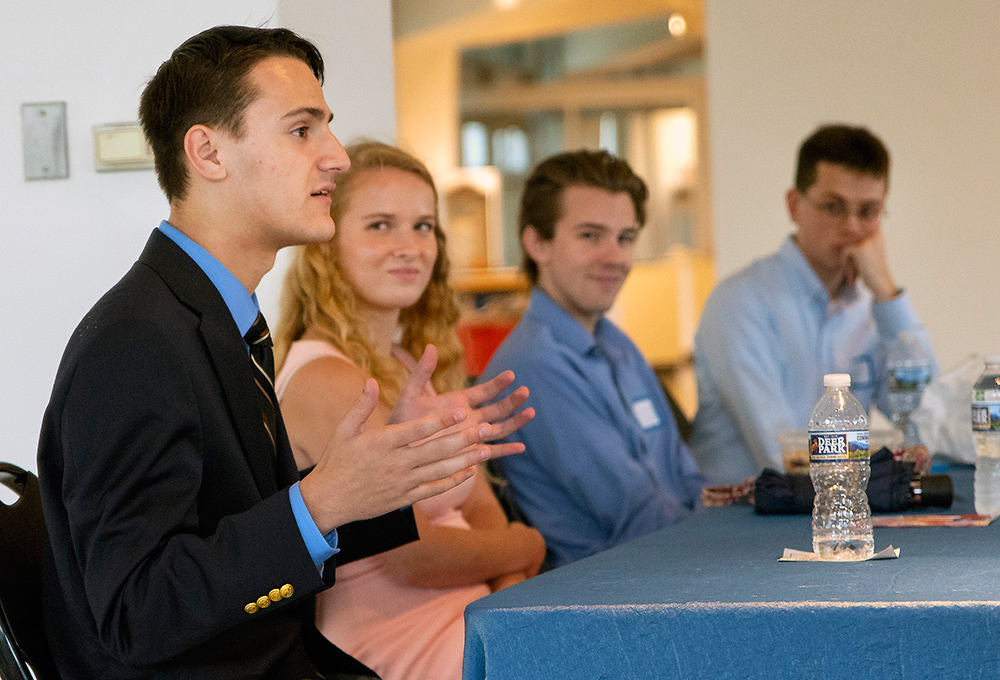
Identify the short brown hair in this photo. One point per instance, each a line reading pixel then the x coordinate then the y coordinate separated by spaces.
pixel 206 81
pixel 853 147
pixel 541 202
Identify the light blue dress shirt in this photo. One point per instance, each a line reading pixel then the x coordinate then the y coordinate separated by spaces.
pixel 767 336
pixel 244 308
pixel 604 462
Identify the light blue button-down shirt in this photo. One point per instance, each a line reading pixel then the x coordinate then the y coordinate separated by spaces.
pixel 244 308
pixel 604 462
pixel 767 336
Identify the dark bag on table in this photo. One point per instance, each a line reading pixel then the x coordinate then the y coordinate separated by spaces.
pixel 892 487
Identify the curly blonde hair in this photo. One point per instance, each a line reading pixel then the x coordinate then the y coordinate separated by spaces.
pixel 317 294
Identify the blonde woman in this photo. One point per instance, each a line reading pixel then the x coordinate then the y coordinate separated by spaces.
pixel 363 305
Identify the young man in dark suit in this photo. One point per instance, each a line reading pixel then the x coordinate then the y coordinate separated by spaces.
pixel 182 543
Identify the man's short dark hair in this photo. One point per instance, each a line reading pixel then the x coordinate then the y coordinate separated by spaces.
pixel 853 147
pixel 206 81
pixel 541 202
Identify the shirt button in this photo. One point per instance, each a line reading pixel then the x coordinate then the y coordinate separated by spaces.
pixel 274 595
pixel 263 602
pixel 251 608
pixel 287 590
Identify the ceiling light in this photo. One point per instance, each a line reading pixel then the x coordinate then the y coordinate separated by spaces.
pixel 677 25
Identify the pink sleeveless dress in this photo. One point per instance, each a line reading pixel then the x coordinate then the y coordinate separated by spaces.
pixel 400 632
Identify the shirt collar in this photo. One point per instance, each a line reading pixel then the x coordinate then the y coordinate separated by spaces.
pixel 792 256
pixel 565 329
pixel 242 305
pixel 795 261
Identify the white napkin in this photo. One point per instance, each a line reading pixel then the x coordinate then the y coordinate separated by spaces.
pixel 790 555
pixel 942 419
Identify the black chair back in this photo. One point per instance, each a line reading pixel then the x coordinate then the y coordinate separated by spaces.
pixel 22 546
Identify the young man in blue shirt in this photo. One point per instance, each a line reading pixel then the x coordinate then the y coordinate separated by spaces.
pixel 826 302
pixel 603 460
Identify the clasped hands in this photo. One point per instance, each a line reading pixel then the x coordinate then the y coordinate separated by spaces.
pixel 431 444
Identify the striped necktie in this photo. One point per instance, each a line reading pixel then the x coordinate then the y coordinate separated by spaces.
pixel 262 356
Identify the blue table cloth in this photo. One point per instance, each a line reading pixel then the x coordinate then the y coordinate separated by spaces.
pixel 708 599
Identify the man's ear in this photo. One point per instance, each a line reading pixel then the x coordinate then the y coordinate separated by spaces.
pixel 201 146
pixel 535 246
pixel 793 199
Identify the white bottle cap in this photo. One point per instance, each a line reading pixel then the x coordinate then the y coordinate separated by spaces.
pixel 837 380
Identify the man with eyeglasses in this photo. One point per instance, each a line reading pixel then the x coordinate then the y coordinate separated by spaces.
pixel 826 302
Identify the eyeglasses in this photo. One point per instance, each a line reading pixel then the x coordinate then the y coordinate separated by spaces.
pixel 837 209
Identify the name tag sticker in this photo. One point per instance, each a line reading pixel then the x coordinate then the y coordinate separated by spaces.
pixel 645 413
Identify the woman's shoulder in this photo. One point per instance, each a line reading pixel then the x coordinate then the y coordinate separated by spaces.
pixel 306 349
pixel 315 359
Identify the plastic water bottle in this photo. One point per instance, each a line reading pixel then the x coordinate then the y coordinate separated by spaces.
pixel 986 437
pixel 838 466
pixel 909 370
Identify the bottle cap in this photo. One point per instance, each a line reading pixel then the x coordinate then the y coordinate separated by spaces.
pixel 837 380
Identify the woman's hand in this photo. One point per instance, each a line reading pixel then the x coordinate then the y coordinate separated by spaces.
pixel 417 400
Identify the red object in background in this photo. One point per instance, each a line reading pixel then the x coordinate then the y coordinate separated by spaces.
pixel 480 340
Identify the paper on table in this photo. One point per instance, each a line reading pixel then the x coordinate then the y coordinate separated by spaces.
pixel 790 555
pixel 932 520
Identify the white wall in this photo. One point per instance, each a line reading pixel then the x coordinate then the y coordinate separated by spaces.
pixel 64 242
pixel 921 75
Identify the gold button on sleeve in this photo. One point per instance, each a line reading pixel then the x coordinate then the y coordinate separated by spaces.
pixel 287 590
pixel 263 602
pixel 251 608
pixel 274 595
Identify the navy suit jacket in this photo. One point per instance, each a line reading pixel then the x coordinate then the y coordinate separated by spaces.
pixel 166 508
